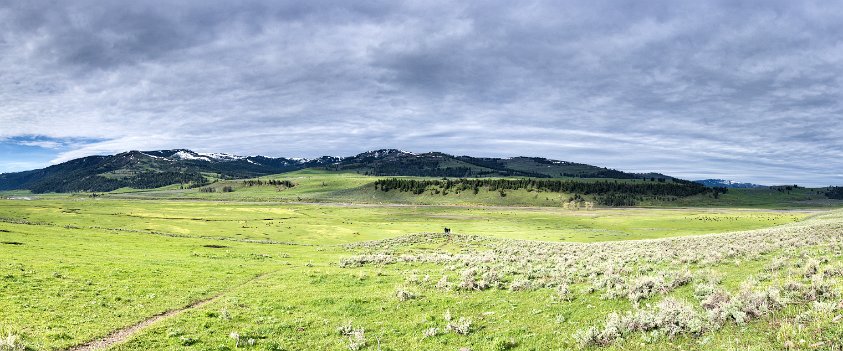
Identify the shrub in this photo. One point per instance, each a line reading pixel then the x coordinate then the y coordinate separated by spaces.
pixel 747 305
pixel 834 271
pixel 645 287
pixel 12 342
pixel 811 267
pixel 404 295
pixel 236 337
pixel 490 279
pixel 757 304
pixel 503 345
pixel 587 337
pixel 462 326
pixel 679 279
pixel 819 290
pixel 345 329
pixel 469 281
pixel 670 316
pixel 563 293
pixel 675 317
pixel 520 285
pixel 356 337
pixel 777 264
pixel 187 341
pixel 413 278
pixel 703 290
pixel 443 283
pixel 357 340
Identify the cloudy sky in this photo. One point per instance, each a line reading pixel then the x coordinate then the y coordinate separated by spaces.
pixel 744 90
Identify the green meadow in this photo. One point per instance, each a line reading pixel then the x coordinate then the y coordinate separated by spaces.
pixel 315 267
pixel 327 223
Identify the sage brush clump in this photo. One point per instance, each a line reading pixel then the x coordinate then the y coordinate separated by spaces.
pixel 799 269
pixel 355 337
pixel 12 342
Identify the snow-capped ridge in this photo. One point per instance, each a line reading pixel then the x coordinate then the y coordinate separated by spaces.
pixel 189 155
pixel 219 156
pixel 383 153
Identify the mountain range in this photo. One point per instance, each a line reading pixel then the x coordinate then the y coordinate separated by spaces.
pixel 152 169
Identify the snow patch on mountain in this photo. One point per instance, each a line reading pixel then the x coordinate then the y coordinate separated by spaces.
pixel 157 157
pixel 221 156
pixel 187 155
pixel 383 152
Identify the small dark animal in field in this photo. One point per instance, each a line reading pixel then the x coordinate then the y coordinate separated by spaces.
pixel 447 230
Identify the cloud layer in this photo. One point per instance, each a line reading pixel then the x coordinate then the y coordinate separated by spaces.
pixel 740 90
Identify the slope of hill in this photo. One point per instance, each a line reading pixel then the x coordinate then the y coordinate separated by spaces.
pixel 147 169
pixel 152 169
pixel 542 167
pixel 392 162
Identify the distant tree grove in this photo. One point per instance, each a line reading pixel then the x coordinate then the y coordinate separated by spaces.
pixel 835 192
pixel 607 192
pixel 275 182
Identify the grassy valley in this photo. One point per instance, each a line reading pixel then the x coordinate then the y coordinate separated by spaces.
pixel 348 259
pixel 276 276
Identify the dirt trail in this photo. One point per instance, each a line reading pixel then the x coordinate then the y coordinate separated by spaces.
pixel 120 335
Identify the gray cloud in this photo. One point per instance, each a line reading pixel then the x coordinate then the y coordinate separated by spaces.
pixel 744 90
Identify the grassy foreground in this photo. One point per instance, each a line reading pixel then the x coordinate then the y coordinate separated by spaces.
pixel 339 277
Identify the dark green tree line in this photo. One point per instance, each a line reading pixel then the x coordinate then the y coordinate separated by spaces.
pixel 610 193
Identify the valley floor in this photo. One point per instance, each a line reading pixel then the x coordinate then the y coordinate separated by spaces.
pixel 270 276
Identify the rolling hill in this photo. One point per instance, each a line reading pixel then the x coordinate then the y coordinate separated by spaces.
pixel 152 169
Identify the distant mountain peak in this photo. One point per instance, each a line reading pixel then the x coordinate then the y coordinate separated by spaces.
pixel 184 154
pixel 383 153
pixel 189 155
pixel 724 183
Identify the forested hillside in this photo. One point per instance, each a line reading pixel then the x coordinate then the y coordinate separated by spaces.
pixel 153 169
pixel 146 169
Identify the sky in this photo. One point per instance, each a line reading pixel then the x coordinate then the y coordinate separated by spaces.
pixel 742 90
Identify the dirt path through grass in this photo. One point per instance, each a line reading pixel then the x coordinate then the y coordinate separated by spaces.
pixel 123 334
